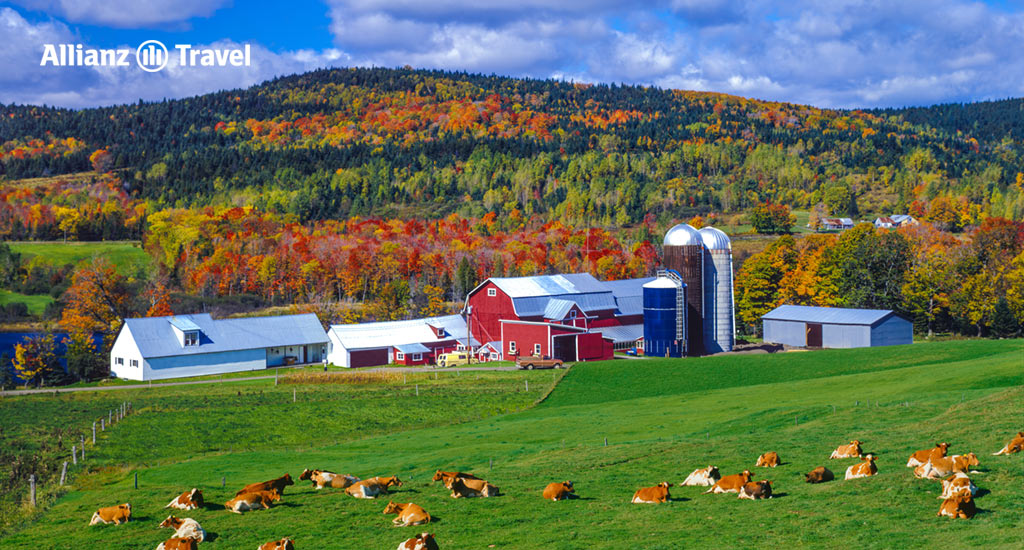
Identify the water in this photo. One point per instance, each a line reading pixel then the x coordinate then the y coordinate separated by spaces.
pixel 9 339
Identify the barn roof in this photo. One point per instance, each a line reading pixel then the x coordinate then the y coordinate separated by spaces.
pixel 397 333
pixel 548 285
pixel 558 308
pixel 828 315
pixel 155 336
pixel 622 333
pixel 629 294
pixel 413 348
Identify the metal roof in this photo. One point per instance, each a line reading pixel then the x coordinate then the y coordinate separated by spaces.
pixel 558 308
pixel 682 235
pixel 629 294
pixel 827 315
pixel 623 333
pixel 715 239
pixel 155 336
pixel 397 333
pixel 548 285
pixel 412 348
pixel 662 282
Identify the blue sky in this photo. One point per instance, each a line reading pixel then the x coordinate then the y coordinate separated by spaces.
pixel 841 53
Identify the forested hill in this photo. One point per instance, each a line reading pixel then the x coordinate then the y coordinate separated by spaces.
pixel 345 142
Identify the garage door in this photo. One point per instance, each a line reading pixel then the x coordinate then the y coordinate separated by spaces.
pixel 368 357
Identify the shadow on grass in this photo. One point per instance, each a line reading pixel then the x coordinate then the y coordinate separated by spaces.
pixel 981 493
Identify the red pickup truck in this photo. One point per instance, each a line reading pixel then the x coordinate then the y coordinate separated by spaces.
pixel 533 362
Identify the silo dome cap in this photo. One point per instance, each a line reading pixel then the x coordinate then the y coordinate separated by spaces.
pixel 682 235
pixel 715 239
pixel 661 282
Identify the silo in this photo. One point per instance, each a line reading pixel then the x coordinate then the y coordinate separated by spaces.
pixel 684 253
pixel 719 317
pixel 664 321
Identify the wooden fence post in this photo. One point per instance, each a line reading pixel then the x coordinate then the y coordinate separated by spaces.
pixel 74 454
pixel 223 481
pixel 527 385
pixel 293 395
pixel 417 390
pixel 32 489
pixel 83 448
pixel 110 416
pixel 93 432
pixel 606 442
pixel 63 472
pixel 136 480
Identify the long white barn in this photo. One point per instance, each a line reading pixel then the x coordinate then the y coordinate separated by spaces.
pixel 155 348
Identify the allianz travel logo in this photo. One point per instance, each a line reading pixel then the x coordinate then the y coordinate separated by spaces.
pixel 151 56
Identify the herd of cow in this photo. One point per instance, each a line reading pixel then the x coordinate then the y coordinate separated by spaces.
pixel 958 491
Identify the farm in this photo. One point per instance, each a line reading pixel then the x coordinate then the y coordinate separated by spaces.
pixel 610 427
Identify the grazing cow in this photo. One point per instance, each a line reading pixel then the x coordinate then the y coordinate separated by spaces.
pixel 866 468
pixel 179 543
pixel 756 490
pixel 252 501
pixel 373 487
pixel 112 514
pixel 466 488
pixel 958 506
pixel 1015 445
pixel 768 460
pixel 189 500
pixel 446 478
pixel 956 484
pixel 283 544
pixel 273 485
pixel 704 477
pixel 731 484
pixel 847 451
pixel 558 491
pixel 652 495
pixel 185 528
pixel 323 478
pixel 423 541
pixel 946 466
pixel 927 455
pixel 408 514
pixel 820 474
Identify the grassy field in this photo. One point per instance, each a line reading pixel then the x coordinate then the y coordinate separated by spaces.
pixel 661 418
pixel 36 302
pixel 127 256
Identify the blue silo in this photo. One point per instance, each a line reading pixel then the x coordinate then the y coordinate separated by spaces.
pixel 664 318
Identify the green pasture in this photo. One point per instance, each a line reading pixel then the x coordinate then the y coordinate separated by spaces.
pixel 36 302
pixel 127 256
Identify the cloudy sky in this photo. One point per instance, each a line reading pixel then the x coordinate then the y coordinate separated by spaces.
pixel 830 53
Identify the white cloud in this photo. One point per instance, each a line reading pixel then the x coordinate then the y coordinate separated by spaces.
pixel 125 13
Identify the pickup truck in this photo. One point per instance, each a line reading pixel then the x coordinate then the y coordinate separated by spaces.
pixel 531 362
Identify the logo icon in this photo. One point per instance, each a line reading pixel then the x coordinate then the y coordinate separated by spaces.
pixel 151 56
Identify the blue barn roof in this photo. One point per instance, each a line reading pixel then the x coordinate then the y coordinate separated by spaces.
pixel 155 336
pixel 828 315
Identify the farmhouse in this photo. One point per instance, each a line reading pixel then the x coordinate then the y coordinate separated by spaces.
pixel 155 348
pixel 896 220
pixel 410 342
pixel 837 223
pixel 827 327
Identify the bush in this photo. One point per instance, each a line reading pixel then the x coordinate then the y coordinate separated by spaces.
pixel 772 218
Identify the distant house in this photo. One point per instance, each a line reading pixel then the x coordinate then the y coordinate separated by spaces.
pixel 896 220
pixel 409 342
pixel 836 223
pixel 833 327
pixel 155 348
pixel 491 351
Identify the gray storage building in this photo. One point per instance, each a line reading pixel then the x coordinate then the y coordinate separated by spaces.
pixel 832 327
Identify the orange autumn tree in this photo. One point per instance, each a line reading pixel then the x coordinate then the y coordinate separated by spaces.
pixel 96 302
pixel 159 299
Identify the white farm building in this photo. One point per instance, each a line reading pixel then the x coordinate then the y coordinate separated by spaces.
pixel 155 348
pixel 409 342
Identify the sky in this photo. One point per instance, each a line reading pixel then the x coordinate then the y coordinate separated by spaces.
pixel 827 53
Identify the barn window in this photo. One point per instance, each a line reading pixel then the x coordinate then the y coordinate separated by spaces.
pixel 512 346
pixel 460 347
pixel 135 363
pixel 492 292
pixel 192 338
pixel 119 360
pixel 494 356
pixel 417 357
pixel 399 356
pixel 536 349
pixel 572 313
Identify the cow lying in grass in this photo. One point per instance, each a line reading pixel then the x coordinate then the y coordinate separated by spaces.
pixel 558 491
pixel 652 495
pixel 756 490
pixel 112 514
pixel 283 544
pixel 273 485
pixel 189 500
pixel 185 528
pixel 848 451
pixel 956 484
pixel 927 455
pixel 866 468
pixel 958 506
pixel 731 484
pixel 468 488
pixel 259 500
pixel 323 478
pixel 820 474
pixel 373 487
pixel 179 543
pixel 1015 445
pixel 446 478
pixel 946 466
pixel 423 541
pixel 768 460
pixel 408 514
pixel 704 477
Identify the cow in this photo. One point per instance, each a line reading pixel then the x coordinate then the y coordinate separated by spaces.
pixel 652 495
pixel 921 457
pixel 704 477
pixel 958 506
pixel 273 485
pixel 283 544
pixel 1015 445
pixel 179 543
pixel 847 451
pixel 945 466
pixel 768 460
pixel 446 478
pixel 189 500
pixel 252 501
pixel 112 514
pixel 731 484
pixel 820 474
pixel 558 491
pixel 372 487
pixel 408 514
pixel 323 478
pixel 467 488
pixel 865 468
pixel 956 484
pixel 423 541
pixel 185 528
pixel 756 490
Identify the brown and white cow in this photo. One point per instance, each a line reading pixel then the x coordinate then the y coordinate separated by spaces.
pixel 731 484
pixel 373 487
pixel 179 543
pixel 652 495
pixel 112 514
pixel 189 500
pixel 408 514
pixel 926 455
pixel 259 500
pixel 283 544
pixel 277 484
pixel 468 488
pixel 423 541
pixel 704 477
pixel 865 468
pixel 446 478
pixel 769 460
pixel 958 506
pixel 185 528
pixel 956 484
pixel 847 451
pixel 323 478
pixel 558 491
pixel 756 490
pixel 1015 445
pixel 946 466
pixel 820 474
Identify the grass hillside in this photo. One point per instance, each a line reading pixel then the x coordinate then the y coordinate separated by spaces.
pixel 662 419
pixel 127 256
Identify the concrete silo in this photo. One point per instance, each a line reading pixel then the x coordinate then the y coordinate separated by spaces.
pixel 719 312
pixel 684 253
pixel 665 316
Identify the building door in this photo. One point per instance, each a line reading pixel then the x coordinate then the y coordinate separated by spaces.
pixel 814 335
pixel 564 347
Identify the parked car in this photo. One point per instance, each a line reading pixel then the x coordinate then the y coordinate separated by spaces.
pixel 453 359
pixel 531 362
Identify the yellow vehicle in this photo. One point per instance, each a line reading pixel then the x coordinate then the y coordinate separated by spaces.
pixel 453 359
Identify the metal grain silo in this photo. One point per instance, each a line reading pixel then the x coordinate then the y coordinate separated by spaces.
pixel 719 317
pixel 684 253
pixel 664 316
